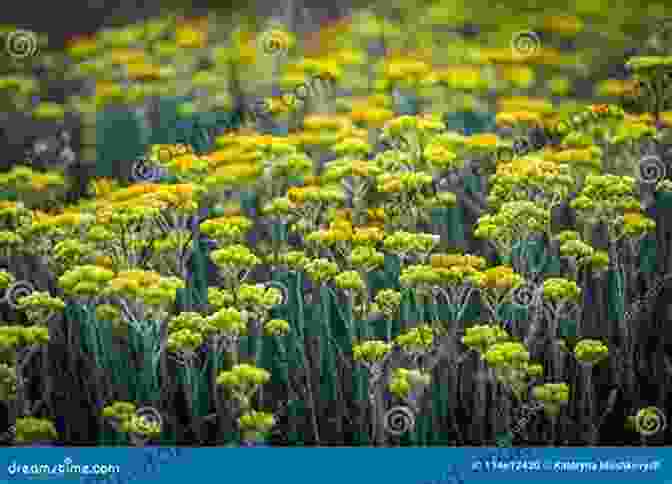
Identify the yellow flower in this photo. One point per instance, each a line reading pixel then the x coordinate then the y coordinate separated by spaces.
pixel 124 56
pixel 486 141
pixel 143 71
pixel 102 187
pixel 523 103
pixel 568 25
pixel 190 36
pixel 183 163
pixel 461 77
pixel 520 76
pixel 298 194
pixel 82 48
pixel 614 87
pixel 104 261
pixel 320 121
pixel 518 117
pixel 497 56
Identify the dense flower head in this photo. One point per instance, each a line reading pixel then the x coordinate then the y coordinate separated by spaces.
pixel 243 376
pixel 559 290
pixel 226 229
pixel 276 327
pixel 85 281
pixel 419 339
pixel 32 429
pixel 552 395
pixel 256 421
pixel 507 354
pixel 500 278
pixel 481 337
pixel 371 351
pixel 403 380
pixel 366 258
pixel 590 351
pixel 150 287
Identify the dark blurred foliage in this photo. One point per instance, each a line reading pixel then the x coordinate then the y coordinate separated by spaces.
pixel 57 20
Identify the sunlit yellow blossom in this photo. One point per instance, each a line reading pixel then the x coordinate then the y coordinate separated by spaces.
pixel 568 25
pixel 485 140
pixel 191 36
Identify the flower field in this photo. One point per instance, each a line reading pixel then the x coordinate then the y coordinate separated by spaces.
pixel 420 225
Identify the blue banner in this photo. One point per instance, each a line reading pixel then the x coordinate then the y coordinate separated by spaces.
pixel 336 465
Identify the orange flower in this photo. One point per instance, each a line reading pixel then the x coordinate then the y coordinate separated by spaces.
pixel 600 108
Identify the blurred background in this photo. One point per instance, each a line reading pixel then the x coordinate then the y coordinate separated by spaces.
pixel 82 17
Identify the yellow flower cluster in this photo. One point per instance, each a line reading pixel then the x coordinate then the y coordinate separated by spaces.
pixel 457 260
pixel 500 278
pixel 518 118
